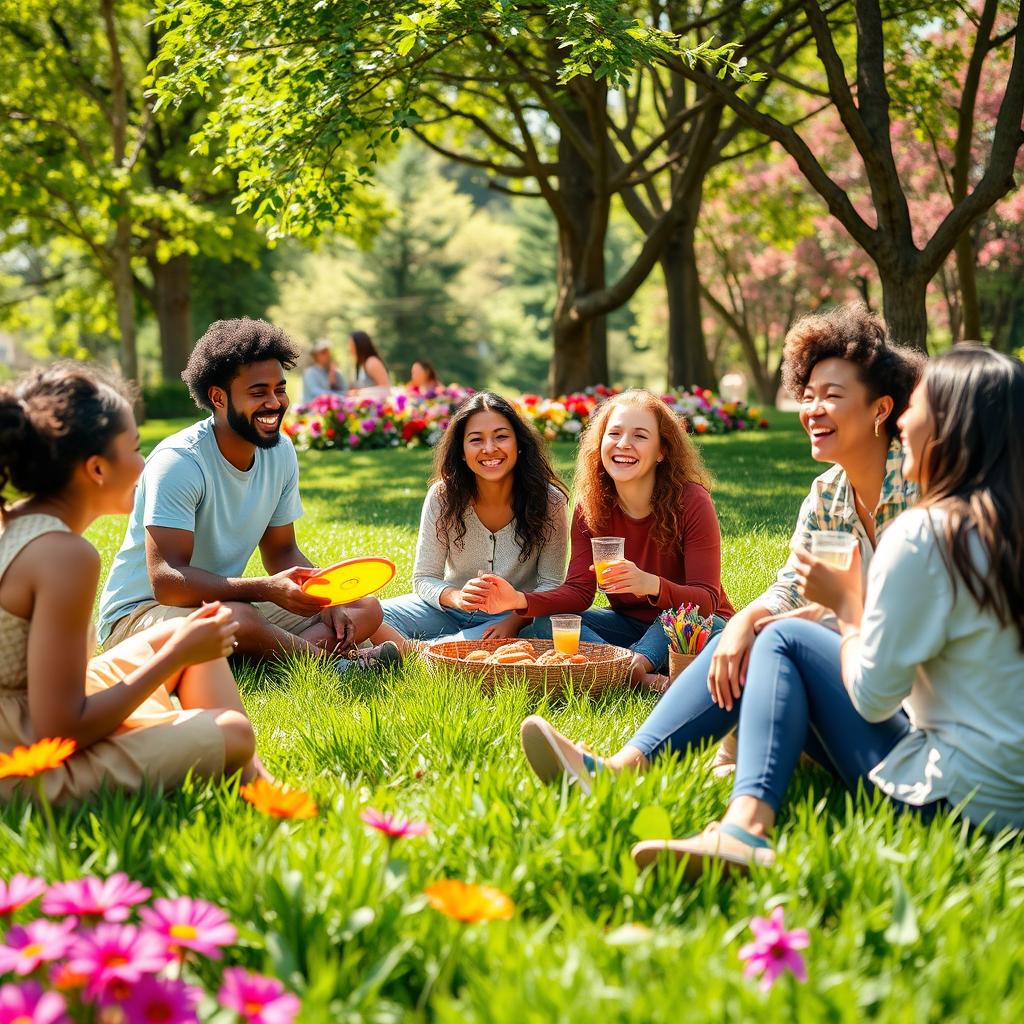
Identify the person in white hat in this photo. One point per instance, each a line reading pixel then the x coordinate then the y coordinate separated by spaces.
pixel 322 376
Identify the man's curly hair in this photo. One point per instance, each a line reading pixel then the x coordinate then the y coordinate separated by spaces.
pixel 226 347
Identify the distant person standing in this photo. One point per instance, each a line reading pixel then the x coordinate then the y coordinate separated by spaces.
pixel 372 377
pixel 423 376
pixel 322 376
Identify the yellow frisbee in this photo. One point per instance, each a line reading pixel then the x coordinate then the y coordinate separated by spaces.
pixel 350 580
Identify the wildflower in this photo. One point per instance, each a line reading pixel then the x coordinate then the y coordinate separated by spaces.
pixel 115 954
pixel 161 1001
pixel 18 891
pixel 189 924
pixel 257 1000
pixel 391 825
pixel 277 801
pixel 469 903
pixel 108 898
pixel 774 950
pixel 29 1004
pixel 43 755
pixel 36 943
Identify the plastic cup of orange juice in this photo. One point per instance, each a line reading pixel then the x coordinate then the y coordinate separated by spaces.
pixel 565 632
pixel 607 551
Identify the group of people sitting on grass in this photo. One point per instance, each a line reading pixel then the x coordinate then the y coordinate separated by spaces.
pixel 371 379
pixel 902 673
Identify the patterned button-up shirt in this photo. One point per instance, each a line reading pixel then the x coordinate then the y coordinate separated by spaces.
pixel 830 505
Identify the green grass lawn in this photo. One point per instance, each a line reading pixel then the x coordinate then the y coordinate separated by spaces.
pixel 908 923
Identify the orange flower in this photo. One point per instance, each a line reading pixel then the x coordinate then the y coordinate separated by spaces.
pixel 277 801
pixel 34 760
pixel 469 903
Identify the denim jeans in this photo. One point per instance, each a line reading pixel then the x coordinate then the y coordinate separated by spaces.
pixel 794 701
pixel 414 618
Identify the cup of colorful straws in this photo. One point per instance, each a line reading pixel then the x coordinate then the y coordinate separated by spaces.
pixel 688 632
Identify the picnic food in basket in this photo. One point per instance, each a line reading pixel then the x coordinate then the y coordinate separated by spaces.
pixel 522 652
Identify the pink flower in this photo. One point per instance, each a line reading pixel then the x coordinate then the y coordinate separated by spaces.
pixel 108 898
pixel 29 1004
pixel 190 924
pixel 774 950
pixel 391 825
pixel 257 1000
pixel 36 943
pixel 161 1001
pixel 116 954
pixel 18 891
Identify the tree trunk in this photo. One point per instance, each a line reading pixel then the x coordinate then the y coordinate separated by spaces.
pixel 970 309
pixel 904 308
pixel 580 351
pixel 124 297
pixel 172 289
pixel 688 362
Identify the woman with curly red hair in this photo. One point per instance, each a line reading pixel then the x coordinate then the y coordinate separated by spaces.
pixel 639 477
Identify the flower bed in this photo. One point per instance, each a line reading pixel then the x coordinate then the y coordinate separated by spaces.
pixel 415 418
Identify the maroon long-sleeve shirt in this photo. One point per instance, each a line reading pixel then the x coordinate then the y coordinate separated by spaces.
pixel 690 569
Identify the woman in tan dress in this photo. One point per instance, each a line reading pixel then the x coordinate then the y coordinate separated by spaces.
pixel 68 441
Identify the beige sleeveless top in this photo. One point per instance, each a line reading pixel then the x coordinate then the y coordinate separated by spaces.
pixel 14 631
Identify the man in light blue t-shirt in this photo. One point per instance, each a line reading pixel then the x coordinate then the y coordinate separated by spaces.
pixel 212 494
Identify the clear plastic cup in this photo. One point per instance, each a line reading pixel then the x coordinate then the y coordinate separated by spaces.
pixel 565 632
pixel 833 547
pixel 607 551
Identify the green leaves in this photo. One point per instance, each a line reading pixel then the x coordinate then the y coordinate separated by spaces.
pixel 652 823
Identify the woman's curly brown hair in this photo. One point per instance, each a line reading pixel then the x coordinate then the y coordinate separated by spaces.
pixel 854 333
pixel 682 465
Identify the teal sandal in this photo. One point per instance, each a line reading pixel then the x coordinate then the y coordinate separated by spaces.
pixel 552 755
pixel 744 850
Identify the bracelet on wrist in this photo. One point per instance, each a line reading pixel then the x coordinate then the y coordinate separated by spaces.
pixel 849 636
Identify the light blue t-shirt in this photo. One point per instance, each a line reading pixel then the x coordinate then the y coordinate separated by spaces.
pixel 189 485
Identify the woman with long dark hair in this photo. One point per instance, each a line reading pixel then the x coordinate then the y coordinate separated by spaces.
pixel 639 477
pixel 496 506
pixel 370 369
pixel 918 695
pixel 69 444
pixel 852 385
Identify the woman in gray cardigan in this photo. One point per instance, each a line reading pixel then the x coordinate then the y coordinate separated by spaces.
pixel 495 506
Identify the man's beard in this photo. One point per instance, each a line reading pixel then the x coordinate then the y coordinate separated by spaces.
pixel 246 429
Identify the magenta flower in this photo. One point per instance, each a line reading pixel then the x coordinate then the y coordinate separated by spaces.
pixel 108 898
pixel 391 825
pixel 257 1000
pixel 116 954
pixel 161 1001
pixel 29 1004
pixel 186 924
pixel 36 943
pixel 19 890
pixel 774 950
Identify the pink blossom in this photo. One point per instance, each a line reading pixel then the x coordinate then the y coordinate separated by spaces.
pixel 117 954
pixel 190 924
pixel 108 898
pixel 161 1001
pixel 774 950
pixel 393 826
pixel 19 890
pixel 257 1000
pixel 29 1004
pixel 353 440
pixel 36 943
pixel 369 425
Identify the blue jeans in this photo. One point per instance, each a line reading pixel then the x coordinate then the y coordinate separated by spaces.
pixel 794 701
pixel 414 618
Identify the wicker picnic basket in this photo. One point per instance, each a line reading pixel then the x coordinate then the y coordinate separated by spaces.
pixel 606 666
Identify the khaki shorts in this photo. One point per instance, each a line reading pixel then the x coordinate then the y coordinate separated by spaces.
pixel 149 613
